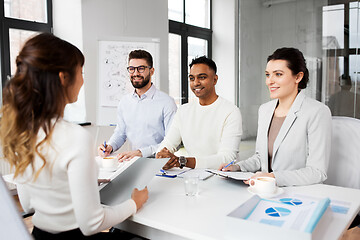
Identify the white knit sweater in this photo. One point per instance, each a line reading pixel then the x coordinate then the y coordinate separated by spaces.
pixel 209 133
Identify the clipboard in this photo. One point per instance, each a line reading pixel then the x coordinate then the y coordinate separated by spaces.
pixel 177 172
pixel 172 173
pixel 233 175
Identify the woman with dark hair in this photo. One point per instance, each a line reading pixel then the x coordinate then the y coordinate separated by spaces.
pixel 54 162
pixel 294 131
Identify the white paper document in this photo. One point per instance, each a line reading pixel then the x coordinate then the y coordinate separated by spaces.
pixel 297 213
pixel 202 173
pixel 174 171
pixel 233 175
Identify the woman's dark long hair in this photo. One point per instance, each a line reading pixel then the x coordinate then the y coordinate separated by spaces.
pixel 35 98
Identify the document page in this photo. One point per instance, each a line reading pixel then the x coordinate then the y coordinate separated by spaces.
pixel 202 173
pixel 297 213
pixel 233 175
pixel 174 171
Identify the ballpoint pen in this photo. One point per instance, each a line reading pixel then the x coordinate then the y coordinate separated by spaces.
pixel 164 174
pixel 104 146
pixel 232 162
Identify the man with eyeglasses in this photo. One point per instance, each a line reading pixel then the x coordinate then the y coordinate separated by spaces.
pixel 210 128
pixel 144 116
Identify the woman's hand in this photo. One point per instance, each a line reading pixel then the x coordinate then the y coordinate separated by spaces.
pixel 231 168
pixel 102 181
pixel 140 197
pixel 260 174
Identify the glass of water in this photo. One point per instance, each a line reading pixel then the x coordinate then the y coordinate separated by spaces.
pixel 191 182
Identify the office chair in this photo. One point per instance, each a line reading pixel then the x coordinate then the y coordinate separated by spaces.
pixel 344 165
pixel 11 223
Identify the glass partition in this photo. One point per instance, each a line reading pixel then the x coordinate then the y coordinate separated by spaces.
pixel 328 34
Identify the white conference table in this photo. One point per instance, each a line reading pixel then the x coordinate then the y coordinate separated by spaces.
pixel 170 214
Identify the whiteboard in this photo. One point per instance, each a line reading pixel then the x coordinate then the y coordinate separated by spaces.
pixel 113 80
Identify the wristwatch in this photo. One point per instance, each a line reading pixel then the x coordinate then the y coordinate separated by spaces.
pixel 182 161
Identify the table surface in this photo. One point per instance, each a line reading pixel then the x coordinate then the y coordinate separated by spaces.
pixel 170 214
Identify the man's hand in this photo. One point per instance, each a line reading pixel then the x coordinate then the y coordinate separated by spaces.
pixel 173 162
pixel 126 156
pixel 103 152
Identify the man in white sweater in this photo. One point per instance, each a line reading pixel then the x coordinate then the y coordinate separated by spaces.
pixel 210 128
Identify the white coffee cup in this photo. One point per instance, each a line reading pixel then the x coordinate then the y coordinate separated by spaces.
pixel 109 162
pixel 263 184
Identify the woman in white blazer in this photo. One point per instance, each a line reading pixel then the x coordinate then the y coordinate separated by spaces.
pixel 294 131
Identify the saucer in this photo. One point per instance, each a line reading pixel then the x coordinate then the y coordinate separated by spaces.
pixel 112 169
pixel 267 195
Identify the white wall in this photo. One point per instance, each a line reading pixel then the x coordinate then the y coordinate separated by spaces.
pixel 114 19
pixel 224 54
pixel 68 26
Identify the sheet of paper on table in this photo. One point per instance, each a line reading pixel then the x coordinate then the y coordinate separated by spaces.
pixel 232 175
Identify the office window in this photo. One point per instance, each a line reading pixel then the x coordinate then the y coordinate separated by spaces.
pixel 31 10
pixel 175 67
pixel 19 20
pixel 197 13
pixel 17 37
pixel 189 36
pixel 196 47
pixel 341 39
pixel 354 25
pixel 333 19
pixel 176 10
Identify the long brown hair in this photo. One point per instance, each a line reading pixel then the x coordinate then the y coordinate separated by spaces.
pixel 34 97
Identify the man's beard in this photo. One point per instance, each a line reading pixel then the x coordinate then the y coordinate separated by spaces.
pixel 141 84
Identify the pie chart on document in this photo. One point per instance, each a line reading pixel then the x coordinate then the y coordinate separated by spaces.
pixel 277 212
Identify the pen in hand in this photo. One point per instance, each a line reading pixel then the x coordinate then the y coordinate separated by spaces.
pixel 232 162
pixel 104 147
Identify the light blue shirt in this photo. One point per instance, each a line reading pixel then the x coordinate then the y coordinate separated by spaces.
pixel 143 120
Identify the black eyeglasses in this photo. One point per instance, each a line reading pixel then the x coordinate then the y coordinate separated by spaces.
pixel 140 69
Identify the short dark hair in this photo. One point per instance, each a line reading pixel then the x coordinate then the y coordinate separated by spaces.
pixel 204 60
pixel 295 62
pixel 141 54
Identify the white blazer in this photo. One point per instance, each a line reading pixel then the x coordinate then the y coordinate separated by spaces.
pixel 301 150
